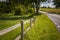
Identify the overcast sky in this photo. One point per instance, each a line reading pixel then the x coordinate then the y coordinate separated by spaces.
pixel 2 0
pixel 50 4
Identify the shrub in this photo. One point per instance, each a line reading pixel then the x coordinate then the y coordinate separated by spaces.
pixel 30 10
pixel 18 12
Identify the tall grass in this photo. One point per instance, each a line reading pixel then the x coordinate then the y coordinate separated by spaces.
pixel 14 33
pixel 51 10
pixel 44 29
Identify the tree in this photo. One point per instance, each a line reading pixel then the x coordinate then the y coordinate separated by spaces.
pixel 12 4
pixel 37 3
pixel 26 3
pixel 3 7
pixel 57 3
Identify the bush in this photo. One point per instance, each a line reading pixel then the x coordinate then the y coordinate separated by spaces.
pixel 18 12
pixel 30 10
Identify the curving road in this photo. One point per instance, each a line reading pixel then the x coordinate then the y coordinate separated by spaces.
pixel 55 18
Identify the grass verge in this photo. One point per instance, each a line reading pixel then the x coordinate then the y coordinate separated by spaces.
pixel 51 10
pixel 7 23
pixel 44 29
pixel 14 33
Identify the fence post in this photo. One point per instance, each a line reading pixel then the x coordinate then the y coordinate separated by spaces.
pixel 30 22
pixel 34 20
pixel 22 30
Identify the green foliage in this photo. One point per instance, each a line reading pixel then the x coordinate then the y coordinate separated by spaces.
pixel 14 33
pixel 18 12
pixel 30 10
pixel 51 10
pixel 37 4
pixel 7 23
pixel 44 29
pixel 4 7
pixel 57 3
pixel 22 9
pixel 9 5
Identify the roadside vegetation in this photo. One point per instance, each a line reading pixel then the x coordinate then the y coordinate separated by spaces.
pixel 14 33
pixel 13 11
pixel 51 10
pixel 8 23
pixel 44 29
pixel 14 17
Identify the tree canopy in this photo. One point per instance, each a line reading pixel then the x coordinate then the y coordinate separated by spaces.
pixel 6 7
pixel 57 3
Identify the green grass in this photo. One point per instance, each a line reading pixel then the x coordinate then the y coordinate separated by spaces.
pixel 44 29
pixel 7 23
pixel 14 33
pixel 11 35
pixel 51 10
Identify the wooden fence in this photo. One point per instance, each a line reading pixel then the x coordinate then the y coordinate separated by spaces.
pixel 32 21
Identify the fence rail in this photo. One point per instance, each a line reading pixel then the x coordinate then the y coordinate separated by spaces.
pixel 32 21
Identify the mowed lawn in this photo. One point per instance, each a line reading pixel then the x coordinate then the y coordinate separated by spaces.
pixel 7 23
pixel 51 10
pixel 44 29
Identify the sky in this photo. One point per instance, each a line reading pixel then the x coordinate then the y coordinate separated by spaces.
pixel 2 0
pixel 46 4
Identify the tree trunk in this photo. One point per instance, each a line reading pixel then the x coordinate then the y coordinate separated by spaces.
pixel 37 9
pixel 27 9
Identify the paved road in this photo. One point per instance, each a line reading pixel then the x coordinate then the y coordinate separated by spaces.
pixel 55 18
pixel 2 32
